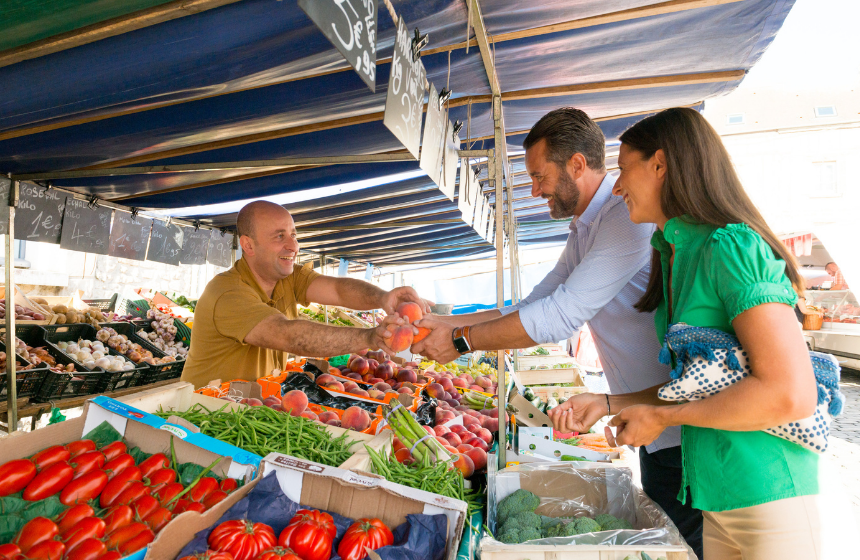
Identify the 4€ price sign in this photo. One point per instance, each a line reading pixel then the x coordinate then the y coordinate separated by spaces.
pixel 350 25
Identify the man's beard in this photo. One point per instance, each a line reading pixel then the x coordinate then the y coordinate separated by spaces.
pixel 566 197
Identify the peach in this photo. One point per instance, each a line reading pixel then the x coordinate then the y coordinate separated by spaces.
pixel 334 422
pixel 485 435
pixel 446 384
pixel 477 442
pixel 478 457
pixel 404 456
pixel 377 355
pixel 310 415
pixel 492 424
pixel 278 407
pixel 467 378
pixel 476 388
pixel 484 381
pixel 375 380
pixel 375 394
pixel 451 402
pixel 405 390
pixel 473 413
pixel 422 334
pixel 382 386
pixel 452 451
pixel 407 376
pixel 429 430
pixel 295 402
pixel 473 427
pixel 436 391
pixel 334 371
pixel 350 385
pixel 251 402
pixel 354 376
pixel 459 429
pixel 465 464
pixel 355 418
pixel 327 415
pixel 360 393
pixel 442 440
pixel 394 366
pixel 272 401
pixel 334 386
pixel 360 366
pixel 384 371
pixel 373 364
pixel 400 339
pixel 411 311
pixel 453 439
pixel 463 448
pixel 470 420
pixel 444 416
pixel 441 430
pixel 457 382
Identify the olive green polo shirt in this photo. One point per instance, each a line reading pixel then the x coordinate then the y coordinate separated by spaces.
pixel 719 273
pixel 231 306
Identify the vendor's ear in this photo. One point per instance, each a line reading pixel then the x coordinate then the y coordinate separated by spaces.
pixel 247 244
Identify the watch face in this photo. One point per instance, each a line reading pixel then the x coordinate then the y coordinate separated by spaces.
pixel 461 345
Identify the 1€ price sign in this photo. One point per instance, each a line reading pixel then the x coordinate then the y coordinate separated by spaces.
pixel 351 27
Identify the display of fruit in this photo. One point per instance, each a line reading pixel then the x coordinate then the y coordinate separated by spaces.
pixel 163 334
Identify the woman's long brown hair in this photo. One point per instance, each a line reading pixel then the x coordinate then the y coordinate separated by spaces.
pixel 700 182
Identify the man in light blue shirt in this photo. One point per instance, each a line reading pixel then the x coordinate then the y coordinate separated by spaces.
pixel 601 275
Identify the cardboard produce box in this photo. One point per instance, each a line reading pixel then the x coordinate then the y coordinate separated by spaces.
pixel 572 490
pixel 139 429
pixel 349 493
pixel 181 396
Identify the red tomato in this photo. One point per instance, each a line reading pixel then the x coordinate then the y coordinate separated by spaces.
pixel 124 533
pixel 35 531
pixel 243 539
pixel 49 481
pixel 210 555
pixel 117 485
pixel 84 488
pixel 133 491
pixel 214 498
pixel 137 542
pixel 72 515
pixel 203 488
pixel 81 446
pixel 184 505
pixel 89 549
pixel 110 555
pixel 166 493
pixel 370 533
pixel 47 550
pixel 158 519
pixel 279 553
pixel 116 517
pixel 86 462
pixel 144 505
pixel 9 551
pixel 119 464
pixel 87 528
pixel 310 534
pixel 16 475
pixel 113 450
pixel 161 477
pixel 229 484
pixel 154 463
pixel 47 457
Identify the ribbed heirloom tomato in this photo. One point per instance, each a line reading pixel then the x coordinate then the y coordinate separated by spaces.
pixel 370 533
pixel 310 534
pixel 16 475
pixel 279 553
pixel 210 555
pixel 241 538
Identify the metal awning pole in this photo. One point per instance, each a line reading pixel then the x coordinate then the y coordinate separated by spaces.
pixel 11 377
pixel 323 261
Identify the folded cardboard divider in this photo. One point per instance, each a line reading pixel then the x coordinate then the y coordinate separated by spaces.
pixel 353 494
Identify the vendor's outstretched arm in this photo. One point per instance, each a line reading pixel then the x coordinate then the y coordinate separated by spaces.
pixel 308 338
pixel 360 295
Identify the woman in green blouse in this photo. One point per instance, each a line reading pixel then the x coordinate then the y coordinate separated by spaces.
pixel 717 264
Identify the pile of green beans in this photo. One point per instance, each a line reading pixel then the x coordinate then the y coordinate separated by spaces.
pixel 438 479
pixel 261 430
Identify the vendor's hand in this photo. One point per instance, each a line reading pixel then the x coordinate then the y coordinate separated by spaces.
pixel 375 336
pixel 578 413
pixel 438 345
pixel 395 297
pixel 637 425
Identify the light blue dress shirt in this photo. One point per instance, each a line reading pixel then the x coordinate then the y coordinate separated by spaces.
pixel 601 274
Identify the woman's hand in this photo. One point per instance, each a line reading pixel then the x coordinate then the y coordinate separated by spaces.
pixel 637 425
pixel 578 413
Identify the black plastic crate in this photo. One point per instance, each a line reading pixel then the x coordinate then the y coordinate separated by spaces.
pixel 112 380
pixel 64 385
pixel 135 307
pixel 102 304
pixel 29 381
pixel 155 373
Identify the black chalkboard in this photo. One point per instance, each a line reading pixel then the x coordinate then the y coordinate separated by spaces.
pixel 129 236
pixel 39 214
pixel 194 246
pixel 220 249
pixel 404 101
pixel 165 243
pixel 433 143
pixel 351 27
pixel 85 229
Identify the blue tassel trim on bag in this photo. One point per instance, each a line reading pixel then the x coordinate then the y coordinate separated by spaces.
pixel 665 356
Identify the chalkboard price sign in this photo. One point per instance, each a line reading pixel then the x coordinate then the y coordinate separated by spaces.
pixel 85 229
pixel 351 27
pixel 448 185
pixel 220 249
pixel 194 246
pixel 165 243
pixel 129 236
pixel 432 146
pixel 39 215
pixel 404 101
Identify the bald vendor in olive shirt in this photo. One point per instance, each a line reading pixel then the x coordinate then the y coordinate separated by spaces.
pixel 246 319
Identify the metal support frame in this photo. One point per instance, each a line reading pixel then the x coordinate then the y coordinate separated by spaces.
pixel 11 377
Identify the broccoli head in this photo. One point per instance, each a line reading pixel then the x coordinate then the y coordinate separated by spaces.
pixel 586 525
pixel 529 534
pixel 566 529
pixel 522 521
pixel 510 536
pixel 518 502
pixel 605 518
pixel 617 525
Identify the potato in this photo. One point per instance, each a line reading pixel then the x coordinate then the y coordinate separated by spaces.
pixel 61 319
pixel 40 301
pixel 71 317
pixel 60 309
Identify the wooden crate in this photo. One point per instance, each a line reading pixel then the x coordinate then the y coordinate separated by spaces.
pixel 525 362
pixel 579 552
pixel 546 376
pixel 556 392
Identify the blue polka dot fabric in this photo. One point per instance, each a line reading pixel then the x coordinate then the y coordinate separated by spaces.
pixel 706 361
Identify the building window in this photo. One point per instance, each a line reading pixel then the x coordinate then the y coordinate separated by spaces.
pixel 825 178
pixel 735 118
pixel 825 111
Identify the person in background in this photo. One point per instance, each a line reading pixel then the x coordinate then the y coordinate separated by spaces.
pixel 717 264
pixel 247 318
pixel 602 273
pixel 838 280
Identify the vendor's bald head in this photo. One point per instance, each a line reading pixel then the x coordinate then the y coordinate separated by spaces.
pixel 267 234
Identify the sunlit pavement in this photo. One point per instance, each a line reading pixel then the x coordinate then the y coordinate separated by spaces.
pixel 844 450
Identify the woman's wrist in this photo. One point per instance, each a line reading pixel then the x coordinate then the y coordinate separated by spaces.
pixel 670 415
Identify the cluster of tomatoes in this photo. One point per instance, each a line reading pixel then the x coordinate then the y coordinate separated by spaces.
pixel 309 536
pixel 134 502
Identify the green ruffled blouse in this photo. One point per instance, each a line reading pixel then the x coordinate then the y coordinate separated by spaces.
pixel 718 274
